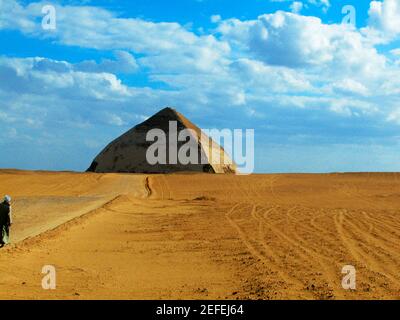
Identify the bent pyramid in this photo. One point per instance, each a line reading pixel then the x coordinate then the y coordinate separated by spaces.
pixel 128 152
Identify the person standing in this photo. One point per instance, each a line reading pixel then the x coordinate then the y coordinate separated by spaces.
pixel 5 221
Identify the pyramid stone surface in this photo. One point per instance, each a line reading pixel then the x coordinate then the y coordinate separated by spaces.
pixel 128 152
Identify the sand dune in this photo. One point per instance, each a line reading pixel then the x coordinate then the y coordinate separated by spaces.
pixel 202 236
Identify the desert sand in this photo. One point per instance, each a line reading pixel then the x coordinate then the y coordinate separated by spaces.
pixel 202 236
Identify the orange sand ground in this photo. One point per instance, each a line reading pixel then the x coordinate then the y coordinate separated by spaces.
pixel 198 236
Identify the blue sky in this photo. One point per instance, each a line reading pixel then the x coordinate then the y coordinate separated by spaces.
pixel 321 95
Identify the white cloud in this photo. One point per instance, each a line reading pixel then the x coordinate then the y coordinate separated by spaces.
pixel 93 27
pixel 325 4
pixel 15 16
pixel 43 76
pixel 350 86
pixel 277 79
pixel 385 16
pixel 293 40
pixel 296 6
pixel 395 52
pixel 287 56
pixel 115 120
pixel 215 18
pixel 383 22
pixel 209 57
pixel 280 52
pixel 394 116
pixel 125 63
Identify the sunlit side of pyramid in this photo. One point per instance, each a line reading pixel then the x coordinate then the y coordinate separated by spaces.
pixel 128 152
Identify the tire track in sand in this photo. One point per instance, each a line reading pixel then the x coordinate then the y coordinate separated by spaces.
pixel 304 252
pixel 387 245
pixel 363 259
pixel 147 187
pixel 271 260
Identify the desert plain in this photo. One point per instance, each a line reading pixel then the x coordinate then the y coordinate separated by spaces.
pixel 202 236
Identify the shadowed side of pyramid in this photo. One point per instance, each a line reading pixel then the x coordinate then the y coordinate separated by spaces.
pixel 128 152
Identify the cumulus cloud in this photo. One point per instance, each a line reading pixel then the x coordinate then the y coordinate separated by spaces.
pixel 209 57
pixel 385 16
pixel 324 3
pixel 383 22
pixel 97 28
pixel 280 52
pixel 42 76
pixel 395 52
pixel 296 6
pixel 215 18
pixel 15 16
pixel 124 63
pixel 293 40
pixel 350 86
pixel 394 116
pixel 276 79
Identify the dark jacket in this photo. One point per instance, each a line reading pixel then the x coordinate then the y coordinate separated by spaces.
pixel 5 214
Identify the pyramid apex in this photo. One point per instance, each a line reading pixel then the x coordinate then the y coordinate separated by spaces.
pixel 168 109
pixel 169 112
